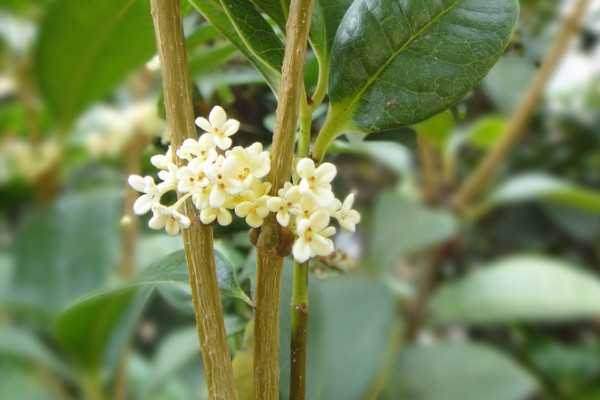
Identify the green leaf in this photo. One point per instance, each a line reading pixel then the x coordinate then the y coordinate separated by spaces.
pixel 23 344
pixel 358 321
pixel 539 186
pixel 391 155
pixel 87 47
pixel 395 63
pixel 66 250
pixel 275 10
pixel 173 269
pixel 175 352
pixel 95 330
pixel 326 18
pixel 578 224
pixel 457 371
pixel 245 27
pixel 404 226
pixel 209 58
pixel 519 288
pixel 486 131
pixel 87 326
pixel 437 128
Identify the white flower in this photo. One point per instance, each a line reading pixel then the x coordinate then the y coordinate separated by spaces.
pixel 162 161
pixel 223 181
pixel 219 126
pixel 313 237
pixel 208 215
pixel 316 182
pixel 169 178
pixel 168 218
pixel 203 148
pixel 253 162
pixel 346 216
pixel 151 192
pixel 285 203
pixel 253 206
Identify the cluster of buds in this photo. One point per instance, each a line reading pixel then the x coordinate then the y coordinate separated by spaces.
pixel 219 179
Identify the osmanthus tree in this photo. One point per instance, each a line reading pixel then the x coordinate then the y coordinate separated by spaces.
pixel 381 65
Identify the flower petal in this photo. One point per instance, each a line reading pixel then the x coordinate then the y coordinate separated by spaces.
pixel 217 117
pixel 301 250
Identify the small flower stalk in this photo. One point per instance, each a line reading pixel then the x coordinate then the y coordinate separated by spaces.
pixel 222 181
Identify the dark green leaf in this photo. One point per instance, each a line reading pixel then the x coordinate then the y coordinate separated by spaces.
pixel 529 288
pixel 87 47
pixel 245 27
pixel 94 331
pixel 275 10
pixel 66 250
pixel 540 186
pixel 403 226
pixel 457 371
pixel 326 17
pixel 395 63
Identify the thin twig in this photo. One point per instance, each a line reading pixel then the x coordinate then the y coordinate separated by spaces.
pixel 518 123
pixel 269 262
pixel 197 239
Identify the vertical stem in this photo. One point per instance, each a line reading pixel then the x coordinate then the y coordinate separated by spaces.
pixel 516 127
pixel 129 226
pixel 197 239
pixel 428 169
pixel 299 316
pixel 269 262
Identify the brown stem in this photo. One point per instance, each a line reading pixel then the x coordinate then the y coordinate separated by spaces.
pixel 428 169
pixel 197 239
pixel 418 311
pixel 516 127
pixel 129 227
pixel 269 262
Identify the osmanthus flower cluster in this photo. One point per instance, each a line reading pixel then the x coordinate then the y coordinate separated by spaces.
pixel 221 180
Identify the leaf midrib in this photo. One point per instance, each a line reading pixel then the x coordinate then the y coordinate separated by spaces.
pixel 243 37
pixel 347 106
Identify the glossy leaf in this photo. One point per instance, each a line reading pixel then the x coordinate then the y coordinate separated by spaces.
pixel 87 47
pixel 540 186
pixel 58 257
pixel 456 371
pixel 395 63
pixel 519 288
pixel 247 30
pixel 326 18
pixel 275 10
pixel 404 226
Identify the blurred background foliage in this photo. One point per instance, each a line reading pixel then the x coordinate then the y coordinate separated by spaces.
pixel 502 302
